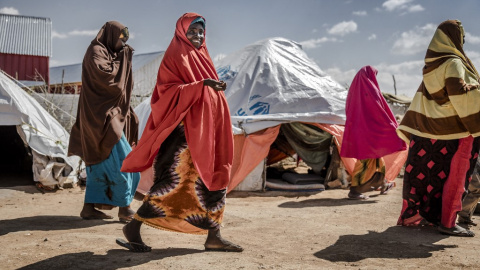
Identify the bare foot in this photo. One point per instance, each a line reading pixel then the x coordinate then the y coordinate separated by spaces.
pixel 89 212
pixel 125 214
pixel 467 221
pixel 138 196
pixel 131 231
pixel 215 242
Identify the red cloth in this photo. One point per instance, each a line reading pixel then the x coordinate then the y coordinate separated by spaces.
pixel 454 187
pixel 180 96
pixel 370 126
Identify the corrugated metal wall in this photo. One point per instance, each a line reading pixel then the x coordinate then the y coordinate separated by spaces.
pixel 25 67
pixel 25 46
pixel 145 79
pixel 25 35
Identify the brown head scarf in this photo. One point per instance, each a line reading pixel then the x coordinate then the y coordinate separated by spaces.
pixel 104 111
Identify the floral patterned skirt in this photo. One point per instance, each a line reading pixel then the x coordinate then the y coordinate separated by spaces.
pixel 178 200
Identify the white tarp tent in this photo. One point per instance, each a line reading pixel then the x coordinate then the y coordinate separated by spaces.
pixel 273 81
pixel 269 83
pixel 46 138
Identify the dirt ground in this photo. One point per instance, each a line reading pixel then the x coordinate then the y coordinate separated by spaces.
pixel 279 230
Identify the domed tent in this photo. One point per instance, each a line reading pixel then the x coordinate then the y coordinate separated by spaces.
pixel 274 89
pixel 32 138
pixel 277 97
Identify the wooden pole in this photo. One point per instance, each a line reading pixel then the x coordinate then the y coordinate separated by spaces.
pixel 394 84
pixel 63 75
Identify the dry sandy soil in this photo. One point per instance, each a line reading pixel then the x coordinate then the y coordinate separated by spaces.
pixel 279 230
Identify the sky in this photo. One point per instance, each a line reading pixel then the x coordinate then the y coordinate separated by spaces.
pixel 341 36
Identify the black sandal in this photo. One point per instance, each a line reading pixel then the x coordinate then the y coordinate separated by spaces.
pixel 132 246
pixel 228 248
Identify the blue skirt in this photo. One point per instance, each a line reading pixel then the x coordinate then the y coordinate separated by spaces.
pixel 106 184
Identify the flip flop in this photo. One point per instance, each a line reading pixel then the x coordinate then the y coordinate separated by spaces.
pixel 228 248
pixel 456 231
pixel 357 196
pixel 132 246
pixel 386 188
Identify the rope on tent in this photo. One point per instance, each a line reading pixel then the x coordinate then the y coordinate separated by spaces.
pixel 40 96
pixel 57 141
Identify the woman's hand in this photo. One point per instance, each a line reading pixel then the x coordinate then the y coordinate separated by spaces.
pixel 216 85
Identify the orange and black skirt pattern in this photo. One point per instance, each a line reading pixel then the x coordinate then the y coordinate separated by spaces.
pixel 178 200
pixel 365 169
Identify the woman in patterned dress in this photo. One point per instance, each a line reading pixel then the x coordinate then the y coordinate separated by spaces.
pixel 370 134
pixel 441 127
pixel 189 140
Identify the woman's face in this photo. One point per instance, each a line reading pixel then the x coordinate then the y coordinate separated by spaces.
pixel 195 34
pixel 122 41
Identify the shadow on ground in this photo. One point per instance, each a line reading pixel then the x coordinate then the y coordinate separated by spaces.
pixel 114 259
pixel 394 243
pixel 46 223
pixel 324 202
pixel 288 194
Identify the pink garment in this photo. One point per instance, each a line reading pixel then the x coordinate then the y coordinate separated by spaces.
pixel 370 126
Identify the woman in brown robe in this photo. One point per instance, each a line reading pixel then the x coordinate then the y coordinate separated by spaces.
pixel 106 125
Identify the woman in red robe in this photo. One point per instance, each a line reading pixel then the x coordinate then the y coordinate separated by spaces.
pixel 189 141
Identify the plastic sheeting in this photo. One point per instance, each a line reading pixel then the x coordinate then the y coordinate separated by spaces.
pixel 143 111
pixel 273 81
pixel 51 173
pixel 40 131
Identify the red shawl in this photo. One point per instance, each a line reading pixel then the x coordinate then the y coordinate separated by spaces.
pixel 370 126
pixel 180 96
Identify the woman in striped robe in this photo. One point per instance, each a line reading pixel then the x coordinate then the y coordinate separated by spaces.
pixel 442 129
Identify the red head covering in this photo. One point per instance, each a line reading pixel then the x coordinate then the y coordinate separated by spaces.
pixel 180 96
pixel 370 126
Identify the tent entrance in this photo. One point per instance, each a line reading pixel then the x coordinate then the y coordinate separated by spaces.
pixel 15 159
pixel 299 159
